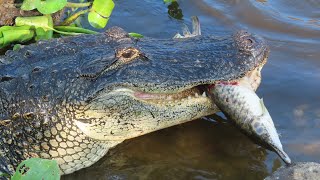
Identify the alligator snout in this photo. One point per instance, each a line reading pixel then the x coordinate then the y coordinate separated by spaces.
pixel 251 43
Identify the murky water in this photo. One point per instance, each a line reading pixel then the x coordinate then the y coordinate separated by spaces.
pixel 208 150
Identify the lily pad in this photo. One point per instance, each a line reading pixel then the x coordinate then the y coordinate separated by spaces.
pixel 36 168
pixel 28 5
pixel 44 6
pixel 50 6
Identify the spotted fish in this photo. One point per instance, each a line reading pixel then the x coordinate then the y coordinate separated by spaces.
pixel 242 106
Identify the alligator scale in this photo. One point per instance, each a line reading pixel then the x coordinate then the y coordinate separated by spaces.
pixel 72 99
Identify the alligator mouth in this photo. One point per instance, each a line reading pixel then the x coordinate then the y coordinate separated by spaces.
pixel 194 92
pixel 252 80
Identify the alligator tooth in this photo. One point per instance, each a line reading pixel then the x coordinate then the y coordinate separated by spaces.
pixel 204 94
pixel 196 94
pixel 189 97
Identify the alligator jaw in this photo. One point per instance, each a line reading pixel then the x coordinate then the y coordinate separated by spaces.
pixel 156 110
pixel 104 119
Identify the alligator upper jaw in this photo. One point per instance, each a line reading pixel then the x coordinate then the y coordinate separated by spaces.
pixel 251 80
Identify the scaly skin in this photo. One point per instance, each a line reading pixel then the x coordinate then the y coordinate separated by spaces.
pixel 240 103
pixel 72 99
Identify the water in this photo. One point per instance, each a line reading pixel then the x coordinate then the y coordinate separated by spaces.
pixel 207 150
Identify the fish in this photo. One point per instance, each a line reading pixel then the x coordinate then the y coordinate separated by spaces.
pixel 246 110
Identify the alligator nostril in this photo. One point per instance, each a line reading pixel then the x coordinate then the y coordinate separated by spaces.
pixel 249 41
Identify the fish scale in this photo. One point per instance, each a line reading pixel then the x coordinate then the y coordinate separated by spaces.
pixel 242 106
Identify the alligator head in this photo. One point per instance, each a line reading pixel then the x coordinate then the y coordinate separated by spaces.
pixel 71 99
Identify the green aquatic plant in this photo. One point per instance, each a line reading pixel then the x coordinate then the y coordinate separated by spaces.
pixel 135 35
pixel 100 12
pixel 41 27
pixel 174 10
pixel 169 1
pixel 9 34
pixel 44 7
pixel 36 168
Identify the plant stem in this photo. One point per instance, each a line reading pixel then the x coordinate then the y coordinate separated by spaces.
pixel 73 17
pixel 77 5
pixel 74 29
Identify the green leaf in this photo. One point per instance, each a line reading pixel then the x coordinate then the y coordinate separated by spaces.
pixel 44 6
pixel 42 34
pixel 42 25
pixel 135 35
pixel 36 21
pixel 100 12
pixel 16 47
pixel 50 6
pixel 36 168
pixel 11 36
pixel 103 7
pixel 168 1
pixel 174 10
pixel 13 28
pixel 96 20
pixel 28 5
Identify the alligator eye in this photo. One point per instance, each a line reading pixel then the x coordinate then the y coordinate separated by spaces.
pixel 127 54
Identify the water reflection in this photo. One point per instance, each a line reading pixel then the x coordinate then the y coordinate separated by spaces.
pixel 304 12
pixel 195 150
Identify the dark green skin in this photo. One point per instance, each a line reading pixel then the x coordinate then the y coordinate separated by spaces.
pixel 49 83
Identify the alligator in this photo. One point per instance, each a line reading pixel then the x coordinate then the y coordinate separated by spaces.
pixel 71 99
